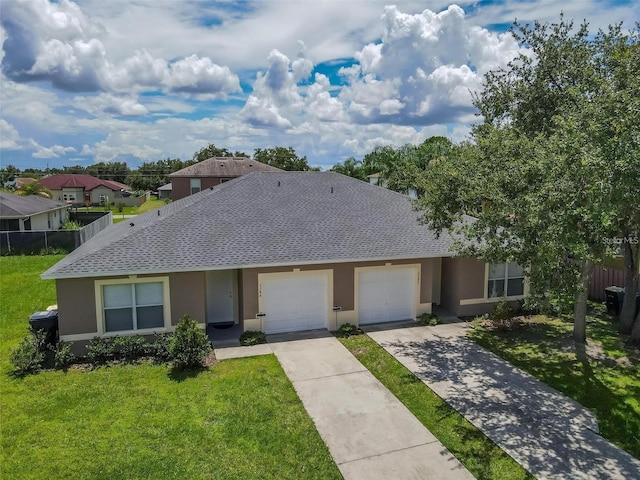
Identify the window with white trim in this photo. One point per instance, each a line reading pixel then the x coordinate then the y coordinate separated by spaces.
pixel 505 279
pixel 133 306
pixel 195 185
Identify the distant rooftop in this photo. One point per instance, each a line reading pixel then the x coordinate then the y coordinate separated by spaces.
pixel 224 167
pixel 72 180
pixel 21 206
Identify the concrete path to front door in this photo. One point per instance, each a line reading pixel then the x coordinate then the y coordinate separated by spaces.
pixel 370 434
pixel 548 433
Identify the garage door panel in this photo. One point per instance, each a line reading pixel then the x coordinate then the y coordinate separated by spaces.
pixel 294 302
pixel 386 295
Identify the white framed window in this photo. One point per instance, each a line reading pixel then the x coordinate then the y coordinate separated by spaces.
pixel 195 185
pixel 505 279
pixel 132 305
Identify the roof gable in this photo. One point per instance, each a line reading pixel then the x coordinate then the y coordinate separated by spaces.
pixel 224 167
pixel 281 218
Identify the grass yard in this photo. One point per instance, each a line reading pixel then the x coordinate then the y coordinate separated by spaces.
pixel 239 419
pixel 604 376
pixel 477 453
pixel 150 204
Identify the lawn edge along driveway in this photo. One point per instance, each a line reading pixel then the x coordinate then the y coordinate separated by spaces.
pixel 468 444
pixel 369 432
pixel 548 433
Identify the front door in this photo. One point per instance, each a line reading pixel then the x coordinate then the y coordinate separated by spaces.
pixel 221 296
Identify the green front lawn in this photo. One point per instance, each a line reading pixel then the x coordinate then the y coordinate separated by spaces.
pixel 469 445
pixel 604 376
pixel 150 204
pixel 237 419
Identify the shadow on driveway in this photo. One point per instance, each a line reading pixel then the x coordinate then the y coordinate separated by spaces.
pixel 548 433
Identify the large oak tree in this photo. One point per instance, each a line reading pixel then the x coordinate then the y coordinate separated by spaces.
pixel 554 171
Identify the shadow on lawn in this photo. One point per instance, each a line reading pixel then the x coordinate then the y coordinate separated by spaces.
pixel 545 431
pixel 583 372
pixel 180 375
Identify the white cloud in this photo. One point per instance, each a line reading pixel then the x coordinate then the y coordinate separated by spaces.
pixel 411 74
pixel 9 136
pixel 424 67
pixel 276 99
pixel 57 42
pixel 106 103
pixel 54 151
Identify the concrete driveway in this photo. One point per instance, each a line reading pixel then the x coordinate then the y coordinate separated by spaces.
pixel 370 434
pixel 548 433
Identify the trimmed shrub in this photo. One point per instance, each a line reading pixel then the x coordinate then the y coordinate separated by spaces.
pixel 250 337
pixel 347 330
pixel 62 354
pixel 189 345
pixel 132 347
pixel 160 348
pixel 29 355
pixel 503 311
pixel 101 350
pixel 428 319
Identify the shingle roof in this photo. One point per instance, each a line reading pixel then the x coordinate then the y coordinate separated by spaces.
pixel 261 219
pixel 224 167
pixel 71 180
pixel 18 206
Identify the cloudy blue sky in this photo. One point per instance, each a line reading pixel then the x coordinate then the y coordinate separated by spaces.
pixel 140 80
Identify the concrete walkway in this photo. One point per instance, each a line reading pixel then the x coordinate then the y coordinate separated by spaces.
pixel 548 433
pixel 369 433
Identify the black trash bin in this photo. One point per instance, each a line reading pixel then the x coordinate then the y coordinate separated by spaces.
pixel 614 297
pixel 47 321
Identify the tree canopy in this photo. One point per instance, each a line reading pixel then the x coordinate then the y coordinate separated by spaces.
pixel 400 168
pixel 283 158
pixel 212 151
pixel 555 167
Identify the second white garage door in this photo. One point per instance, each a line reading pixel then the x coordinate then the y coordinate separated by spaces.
pixel 386 295
pixel 294 301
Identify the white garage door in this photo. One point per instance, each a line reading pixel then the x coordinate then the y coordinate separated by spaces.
pixel 296 301
pixel 386 295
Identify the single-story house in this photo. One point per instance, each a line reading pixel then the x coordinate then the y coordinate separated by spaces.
pixel 212 172
pixel 78 189
pixel 276 252
pixel 20 213
pixel 164 192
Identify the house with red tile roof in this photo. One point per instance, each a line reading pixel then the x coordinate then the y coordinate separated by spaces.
pixel 78 189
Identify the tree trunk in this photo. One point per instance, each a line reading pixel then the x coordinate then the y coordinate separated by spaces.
pixel 635 333
pixel 580 308
pixel 627 313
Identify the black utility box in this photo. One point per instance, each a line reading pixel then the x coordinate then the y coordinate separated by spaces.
pixel 47 321
pixel 614 297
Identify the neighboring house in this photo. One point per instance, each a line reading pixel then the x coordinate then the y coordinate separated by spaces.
pixel 276 252
pixel 164 191
pixel 78 189
pixel 31 212
pixel 212 172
